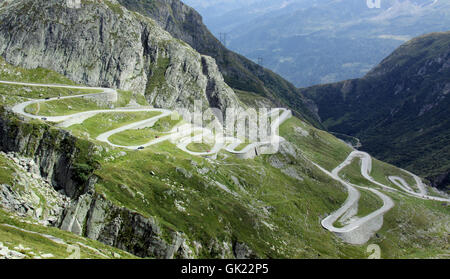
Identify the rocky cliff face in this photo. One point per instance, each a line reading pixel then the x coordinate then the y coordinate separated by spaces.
pixel 95 217
pixel 99 44
pixel 103 44
pixel 59 190
pixel 184 23
pixel 29 194
pixel 57 154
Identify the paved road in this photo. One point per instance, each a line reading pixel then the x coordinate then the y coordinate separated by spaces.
pixel 359 230
pixel 400 181
pixel 182 133
pixel 351 204
pixel 274 138
pixel 230 143
pixel 364 226
pixel 366 168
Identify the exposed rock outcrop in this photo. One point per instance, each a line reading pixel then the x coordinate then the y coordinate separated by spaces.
pixel 93 216
pixel 30 195
pixel 289 160
pixel 52 157
pixel 242 251
pixel 186 24
pixel 54 151
pixel 103 44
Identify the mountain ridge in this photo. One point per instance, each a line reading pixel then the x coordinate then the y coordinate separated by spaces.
pixel 240 73
pixel 322 41
pixel 399 110
pixel 103 44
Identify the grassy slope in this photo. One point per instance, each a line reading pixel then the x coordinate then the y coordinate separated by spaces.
pixel 199 147
pixel 135 137
pixel 39 75
pixel 40 92
pixel 276 215
pixel 167 123
pixel 6 171
pixel 295 207
pixel 142 136
pixel 76 105
pixel 104 122
pixel 318 146
pixel 213 213
pixel 63 107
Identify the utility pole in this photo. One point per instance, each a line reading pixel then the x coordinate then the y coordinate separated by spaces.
pixel 223 38
pixel 260 61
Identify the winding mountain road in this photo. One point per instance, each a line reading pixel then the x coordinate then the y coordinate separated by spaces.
pixel 354 230
pixel 182 133
pixel 360 230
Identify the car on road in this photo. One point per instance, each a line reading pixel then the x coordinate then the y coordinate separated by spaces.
pixel 44 118
pixel 140 148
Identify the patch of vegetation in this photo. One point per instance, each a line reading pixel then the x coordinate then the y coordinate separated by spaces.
pixel 135 137
pixel 167 123
pixel 242 146
pixel 318 145
pixel 107 121
pixel 140 99
pixel 33 92
pixel 414 228
pixel 75 105
pixel 124 98
pixel 199 147
pixel 12 237
pixel 142 136
pixel 6 171
pixel 157 77
pixel 64 107
pixel 370 201
pixel 116 8
pixel 38 75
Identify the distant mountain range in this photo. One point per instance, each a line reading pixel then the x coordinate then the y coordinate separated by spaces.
pixel 400 110
pixel 321 41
